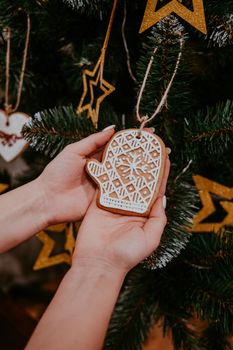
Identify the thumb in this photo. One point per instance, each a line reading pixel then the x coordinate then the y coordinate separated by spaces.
pixel 92 143
pixel 155 225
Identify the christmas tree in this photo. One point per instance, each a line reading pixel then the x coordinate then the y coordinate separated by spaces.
pixel 186 285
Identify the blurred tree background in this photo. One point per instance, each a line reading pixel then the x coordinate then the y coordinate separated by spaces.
pixel 186 286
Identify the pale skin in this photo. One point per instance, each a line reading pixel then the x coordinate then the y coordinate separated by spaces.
pixel 108 245
pixel 62 193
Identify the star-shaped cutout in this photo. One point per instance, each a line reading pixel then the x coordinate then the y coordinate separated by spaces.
pixel 92 82
pixel 205 188
pixel 228 220
pixel 196 17
pixel 45 258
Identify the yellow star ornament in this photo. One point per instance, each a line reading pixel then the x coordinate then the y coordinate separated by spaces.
pixel 3 187
pixel 93 83
pixel 45 258
pixel 207 189
pixel 196 17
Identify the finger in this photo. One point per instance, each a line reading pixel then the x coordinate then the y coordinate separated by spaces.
pixel 155 225
pixel 165 178
pixel 157 211
pixel 92 143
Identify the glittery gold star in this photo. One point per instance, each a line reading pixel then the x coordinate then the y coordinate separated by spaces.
pixel 3 187
pixel 206 188
pixel 45 258
pixel 196 17
pixel 93 81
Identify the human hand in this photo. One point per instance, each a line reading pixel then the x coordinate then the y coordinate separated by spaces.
pixel 119 242
pixel 66 187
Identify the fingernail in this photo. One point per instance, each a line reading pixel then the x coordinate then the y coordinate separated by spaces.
pixel 109 127
pixel 169 151
pixel 152 129
pixel 164 202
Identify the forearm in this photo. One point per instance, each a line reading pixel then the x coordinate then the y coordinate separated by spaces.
pixel 22 215
pixel 80 311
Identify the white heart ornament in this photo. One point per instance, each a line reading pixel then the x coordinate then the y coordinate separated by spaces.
pixel 12 142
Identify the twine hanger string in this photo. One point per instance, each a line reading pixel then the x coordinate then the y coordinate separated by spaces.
pixel 107 37
pixel 8 107
pixel 145 119
pixel 128 59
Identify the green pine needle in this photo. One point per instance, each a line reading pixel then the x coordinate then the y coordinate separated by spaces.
pixel 51 130
pixel 182 205
pixel 210 131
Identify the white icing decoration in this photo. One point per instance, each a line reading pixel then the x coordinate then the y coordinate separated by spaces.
pixel 135 168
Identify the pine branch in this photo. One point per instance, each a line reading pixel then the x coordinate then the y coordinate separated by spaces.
pixel 51 130
pixel 222 33
pixel 134 313
pixel 91 6
pixel 208 290
pixel 210 250
pixel 183 336
pixel 212 300
pixel 182 205
pixel 214 8
pixel 210 131
pixel 215 338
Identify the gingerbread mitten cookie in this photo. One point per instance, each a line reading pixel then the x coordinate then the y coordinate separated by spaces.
pixel 130 174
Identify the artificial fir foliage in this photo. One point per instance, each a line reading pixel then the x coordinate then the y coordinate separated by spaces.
pixel 211 130
pixel 187 284
pixel 51 130
pixel 180 215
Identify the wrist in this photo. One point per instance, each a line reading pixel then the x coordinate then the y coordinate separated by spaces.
pixel 98 266
pixel 95 278
pixel 43 212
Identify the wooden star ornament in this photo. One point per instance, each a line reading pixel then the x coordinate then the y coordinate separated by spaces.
pixel 196 17
pixel 95 88
pixel 3 187
pixel 45 258
pixel 207 189
pixel 93 82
